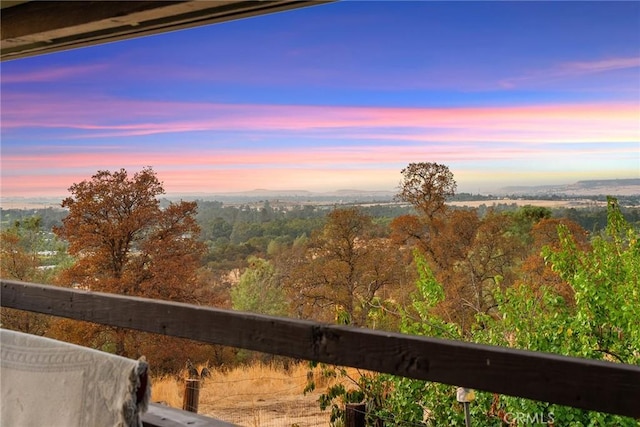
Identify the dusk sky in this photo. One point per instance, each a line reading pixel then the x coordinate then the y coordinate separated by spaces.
pixel 338 96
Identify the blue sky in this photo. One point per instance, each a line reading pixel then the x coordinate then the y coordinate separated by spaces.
pixel 341 95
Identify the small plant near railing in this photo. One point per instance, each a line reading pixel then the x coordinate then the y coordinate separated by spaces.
pixel 346 387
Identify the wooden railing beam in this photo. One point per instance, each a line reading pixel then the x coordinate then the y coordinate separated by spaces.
pixel 164 416
pixel 581 383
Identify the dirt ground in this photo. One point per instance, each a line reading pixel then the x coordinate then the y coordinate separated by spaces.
pixel 279 411
pixel 256 395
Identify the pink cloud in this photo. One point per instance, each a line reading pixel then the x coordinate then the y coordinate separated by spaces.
pixel 314 178
pixel 112 118
pixel 290 159
pixel 384 140
pixel 318 170
pixel 366 167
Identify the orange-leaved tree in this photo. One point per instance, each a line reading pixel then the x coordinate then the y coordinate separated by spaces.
pixel 426 186
pixel 19 260
pixel 125 243
pixel 343 270
pixel 469 255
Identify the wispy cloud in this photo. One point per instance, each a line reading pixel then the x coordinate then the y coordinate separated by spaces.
pixel 118 118
pixel 197 160
pixel 601 65
pixel 573 69
pixel 53 74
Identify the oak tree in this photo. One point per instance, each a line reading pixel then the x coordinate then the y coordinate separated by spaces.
pixel 125 243
pixel 487 259
pixel 426 186
pixel 342 269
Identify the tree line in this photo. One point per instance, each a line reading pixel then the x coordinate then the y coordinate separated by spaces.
pixel 522 277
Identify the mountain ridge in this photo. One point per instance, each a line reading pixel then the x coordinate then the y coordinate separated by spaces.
pixel 591 187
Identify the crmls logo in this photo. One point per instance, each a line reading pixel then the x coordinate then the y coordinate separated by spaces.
pixel 526 418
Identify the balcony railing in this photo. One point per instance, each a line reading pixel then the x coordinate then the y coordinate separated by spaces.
pixel 581 383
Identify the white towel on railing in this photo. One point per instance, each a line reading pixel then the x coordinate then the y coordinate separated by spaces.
pixel 45 382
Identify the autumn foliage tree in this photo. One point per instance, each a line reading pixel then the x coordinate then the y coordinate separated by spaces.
pixel 536 270
pixel 342 270
pixel 426 186
pixel 475 257
pixel 123 242
pixel 19 260
pixel 470 255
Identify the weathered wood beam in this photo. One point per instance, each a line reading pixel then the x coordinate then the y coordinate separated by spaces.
pixel 165 416
pixel 581 383
pixel 38 27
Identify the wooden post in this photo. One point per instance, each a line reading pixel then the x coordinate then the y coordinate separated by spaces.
pixel 191 395
pixel 355 414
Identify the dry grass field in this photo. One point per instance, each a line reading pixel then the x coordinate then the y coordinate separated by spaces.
pixel 255 395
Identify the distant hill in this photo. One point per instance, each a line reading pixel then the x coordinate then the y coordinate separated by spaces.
pixel 304 193
pixel 596 187
pixel 338 196
pixel 262 192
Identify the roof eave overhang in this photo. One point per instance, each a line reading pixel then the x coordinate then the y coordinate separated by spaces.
pixel 32 28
